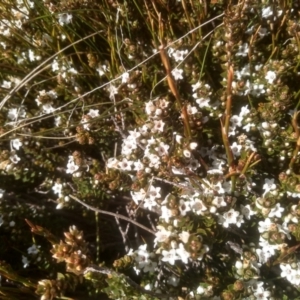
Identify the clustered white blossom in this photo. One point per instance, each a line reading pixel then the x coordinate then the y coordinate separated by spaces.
pixel 149 137
pixel 33 252
pixel 144 260
pixel 47 106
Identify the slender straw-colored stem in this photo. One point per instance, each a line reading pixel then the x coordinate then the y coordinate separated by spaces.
pixel 174 90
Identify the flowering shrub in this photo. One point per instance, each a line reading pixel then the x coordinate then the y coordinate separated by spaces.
pixel 164 135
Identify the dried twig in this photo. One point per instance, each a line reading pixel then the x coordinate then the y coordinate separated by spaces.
pixel 104 212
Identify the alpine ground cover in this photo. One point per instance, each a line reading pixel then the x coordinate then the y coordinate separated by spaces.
pixel 149 149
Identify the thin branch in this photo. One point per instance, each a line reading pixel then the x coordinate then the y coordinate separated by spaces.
pixel 36 71
pixel 104 212
pixel 123 233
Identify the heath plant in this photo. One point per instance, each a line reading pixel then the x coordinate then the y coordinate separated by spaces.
pixel 149 149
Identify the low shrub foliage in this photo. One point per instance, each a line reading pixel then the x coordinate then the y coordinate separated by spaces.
pixel 149 149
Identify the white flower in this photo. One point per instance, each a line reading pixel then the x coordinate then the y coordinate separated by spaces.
pixel 193 145
pixel 112 91
pixel 239 221
pixel 138 165
pixel 12 223
pixel 170 256
pixel 64 19
pixel 163 103
pixel 219 188
pixel 55 66
pixel 138 196
pixel 248 126
pixel 125 165
pixel 269 185
pixel 196 86
pixel 162 235
pixel 219 201
pixel 150 108
pixel 194 164
pixel 48 108
pixel 60 205
pixel 184 236
pixel 187 153
pixel 257 90
pixel 25 261
pixel 184 207
pixel 197 206
pixel 102 69
pixel 72 71
pixel 14 113
pixel 151 141
pixel 93 113
pixel 6 84
pixel 200 290
pixel 154 192
pixel 296 278
pixel 149 203
pixel 179 55
pixel 191 110
pixel 231 131
pixel 57 188
pixel 247 211
pixel 170 51
pixel 263 255
pixel 128 146
pixel 230 217
pixel 16 143
pixel 267 134
pixel 236 120
pixel 112 163
pixel 57 121
pixel 162 149
pixel 177 73
pixel 14 158
pixel 166 213
pixel 266 225
pixel 142 256
pixel 33 249
pixel 183 254
pixel 287 271
pixel 71 166
pixel 294 195
pixel 32 56
pixel 158 126
pixel 236 149
pixel 154 161
pixel 133 135
pixel 243 50
pixel 267 12
pixel 178 138
pixel 137 270
pixel 271 76
pixel 125 77
pixel 262 295
pixel 203 102
pixel 276 211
